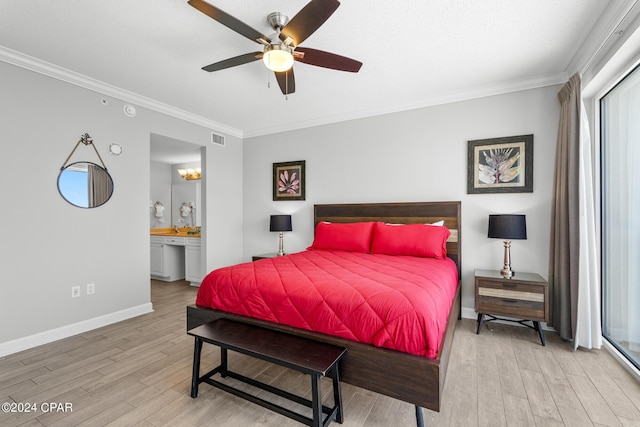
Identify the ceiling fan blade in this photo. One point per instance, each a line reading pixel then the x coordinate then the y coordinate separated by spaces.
pixel 324 59
pixel 286 81
pixel 308 20
pixel 232 62
pixel 229 21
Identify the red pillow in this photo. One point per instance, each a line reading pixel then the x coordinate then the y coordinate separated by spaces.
pixel 352 237
pixel 422 240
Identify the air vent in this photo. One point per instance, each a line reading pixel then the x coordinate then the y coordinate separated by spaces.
pixel 217 139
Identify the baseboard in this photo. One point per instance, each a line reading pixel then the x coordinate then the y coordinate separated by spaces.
pixel 46 337
pixel 468 313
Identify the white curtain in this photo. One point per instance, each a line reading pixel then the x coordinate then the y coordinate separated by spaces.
pixel 588 332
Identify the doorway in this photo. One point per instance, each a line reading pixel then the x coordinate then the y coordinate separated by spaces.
pixel 170 194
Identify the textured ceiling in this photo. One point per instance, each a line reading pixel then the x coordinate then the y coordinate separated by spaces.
pixel 415 53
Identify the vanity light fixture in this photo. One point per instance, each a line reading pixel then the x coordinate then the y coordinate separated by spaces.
pixel 190 174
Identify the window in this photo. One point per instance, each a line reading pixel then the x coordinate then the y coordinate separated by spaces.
pixel 620 198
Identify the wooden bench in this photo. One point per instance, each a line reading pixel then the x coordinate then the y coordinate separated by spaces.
pixel 301 354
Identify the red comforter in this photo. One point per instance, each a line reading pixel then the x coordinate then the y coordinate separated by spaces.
pixel 397 302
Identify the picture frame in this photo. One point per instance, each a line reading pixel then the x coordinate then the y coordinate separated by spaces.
pixel 500 165
pixel 289 180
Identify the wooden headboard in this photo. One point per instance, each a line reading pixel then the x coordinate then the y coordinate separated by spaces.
pixel 399 213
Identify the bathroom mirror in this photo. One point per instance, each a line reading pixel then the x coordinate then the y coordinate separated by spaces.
pixel 185 204
pixel 85 184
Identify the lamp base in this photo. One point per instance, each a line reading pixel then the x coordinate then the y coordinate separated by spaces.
pixel 281 245
pixel 506 268
pixel 507 272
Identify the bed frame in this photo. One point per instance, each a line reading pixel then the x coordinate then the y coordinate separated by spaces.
pixel 403 376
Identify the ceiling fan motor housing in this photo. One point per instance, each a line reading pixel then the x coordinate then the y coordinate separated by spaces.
pixel 277 20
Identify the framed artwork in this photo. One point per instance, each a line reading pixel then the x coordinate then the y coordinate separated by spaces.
pixel 500 165
pixel 288 181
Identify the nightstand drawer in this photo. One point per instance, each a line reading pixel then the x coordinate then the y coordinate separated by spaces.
pixel 511 294
pixel 511 307
pixel 510 285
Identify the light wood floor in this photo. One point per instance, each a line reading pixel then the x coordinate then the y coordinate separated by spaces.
pixel 137 373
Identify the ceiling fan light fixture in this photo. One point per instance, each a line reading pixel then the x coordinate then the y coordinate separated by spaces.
pixel 278 57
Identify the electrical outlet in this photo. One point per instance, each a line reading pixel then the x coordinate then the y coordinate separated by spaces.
pixel 75 291
pixel 91 288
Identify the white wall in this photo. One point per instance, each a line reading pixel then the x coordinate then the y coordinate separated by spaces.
pixel 50 246
pixel 418 155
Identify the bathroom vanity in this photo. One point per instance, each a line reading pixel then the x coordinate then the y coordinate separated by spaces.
pixel 175 256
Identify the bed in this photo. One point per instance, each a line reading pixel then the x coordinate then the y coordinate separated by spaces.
pixel 411 377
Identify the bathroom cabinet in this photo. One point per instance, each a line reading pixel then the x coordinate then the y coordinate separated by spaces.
pixel 157 256
pixel 175 258
pixel 192 261
pixel 167 258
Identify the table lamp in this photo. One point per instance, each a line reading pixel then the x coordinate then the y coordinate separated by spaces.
pixel 280 223
pixel 507 227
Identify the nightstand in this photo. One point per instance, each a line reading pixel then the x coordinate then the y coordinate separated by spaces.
pixel 524 296
pixel 264 256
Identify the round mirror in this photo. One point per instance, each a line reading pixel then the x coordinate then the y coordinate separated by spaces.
pixel 85 184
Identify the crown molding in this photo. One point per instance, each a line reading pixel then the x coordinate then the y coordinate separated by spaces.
pixel 605 36
pixel 22 60
pixel 479 92
pixel 42 67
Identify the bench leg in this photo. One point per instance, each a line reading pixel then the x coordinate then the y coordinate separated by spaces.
pixel 223 362
pixel 195 377
pixel 316 403
pixel 337 393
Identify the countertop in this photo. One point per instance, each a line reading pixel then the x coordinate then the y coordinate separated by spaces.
pixel 183 232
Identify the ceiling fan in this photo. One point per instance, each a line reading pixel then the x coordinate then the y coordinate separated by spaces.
pixel 281 49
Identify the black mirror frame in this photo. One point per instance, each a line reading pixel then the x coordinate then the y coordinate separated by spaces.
pixel 62 170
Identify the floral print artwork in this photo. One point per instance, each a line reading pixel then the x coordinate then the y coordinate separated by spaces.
pixel 288 183
pixel 288 180
pixel 500 166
